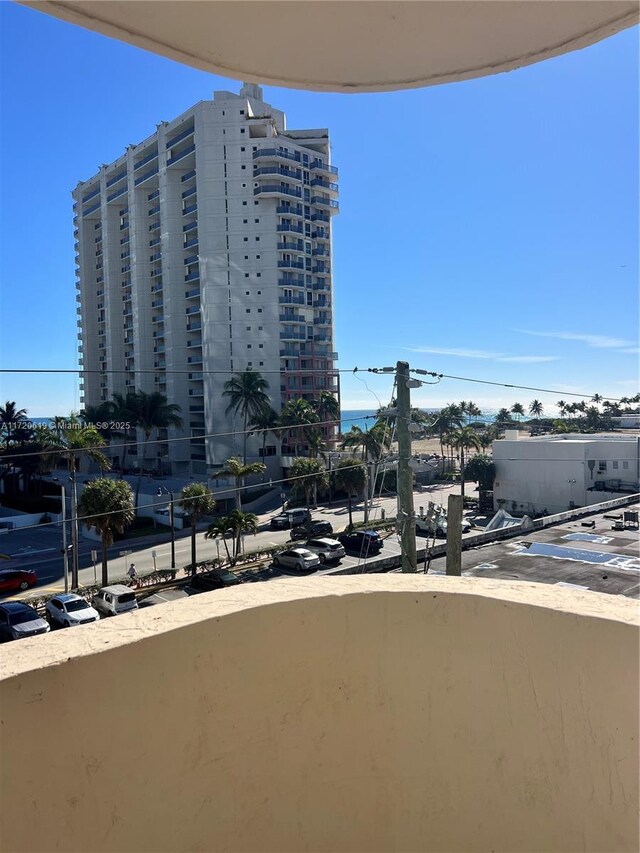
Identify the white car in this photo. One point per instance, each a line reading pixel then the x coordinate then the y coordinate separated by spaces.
pixel 69 609
pixel 328 550
pixel 297 558
pixel 112 600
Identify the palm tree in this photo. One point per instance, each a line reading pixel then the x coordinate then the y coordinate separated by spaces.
pixel 196 500
pixel 326 407
pixel 106 505
pixel 353 439
pixel 473 410
pixel 465 439
pixel 536 408
pixel 123 412
pixel 233 525
pixel 10 417
pixel 221 527
pixel 264 422
pixel 315 441
pixel 298 413
pixel 503 418
pixel 307 475
pixel 236 469
pixel 151 411
pixel 561 404
pixel 518 410
pixel 247 393
pixel 597 398
pixel 350 475
pixel 70 440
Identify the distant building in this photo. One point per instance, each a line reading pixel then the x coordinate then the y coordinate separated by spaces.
pixel 203 251
pixel 558 472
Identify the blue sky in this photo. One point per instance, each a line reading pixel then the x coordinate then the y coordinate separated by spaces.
pixel 488 229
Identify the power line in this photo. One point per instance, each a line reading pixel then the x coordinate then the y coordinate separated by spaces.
pixel 164 370
pixel 145 442
pixel 383 370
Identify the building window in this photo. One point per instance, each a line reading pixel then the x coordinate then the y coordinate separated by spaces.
pixel 246 275
pixel 255 202
pixel 261 363
pixel 248 346
pixel 245 221
pixel 602 467
pixel 242 130
pixel 246 239
pixel 257 239
pixel 257 257
pixel 259 293
pixel 243 167
pixel 246 257
pixel 241 112
pixel 615 464
pixel 259 328
pixel 256 221
pixel 625 466
pixel 242 149
pixel 244 186
pixel 248 310
pixel 247 292
pixel 259 310
pixel 259 274
pixel 244 203
pixel 260 346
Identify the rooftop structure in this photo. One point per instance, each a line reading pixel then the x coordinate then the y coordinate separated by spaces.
pixel 553 473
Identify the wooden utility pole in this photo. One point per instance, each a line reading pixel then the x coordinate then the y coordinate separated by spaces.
pixel 406 517
pixel 454 535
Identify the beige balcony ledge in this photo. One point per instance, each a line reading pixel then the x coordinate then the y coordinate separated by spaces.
pixel 388 713
pixel 352 46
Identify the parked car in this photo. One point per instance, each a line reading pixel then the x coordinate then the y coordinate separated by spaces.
pixel 112 600
pixel 314 528
pixel 18 620
pixel 297 558
pixel 69 609
pixel 425 527
pixel 290 518
pixel 328 550
pixel 362 542
pixel 15 579
pixel 215 579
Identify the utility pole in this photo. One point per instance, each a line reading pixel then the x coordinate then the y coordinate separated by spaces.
pixel 406 517
pixel 454 535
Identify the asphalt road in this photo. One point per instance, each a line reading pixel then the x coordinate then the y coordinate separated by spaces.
pixel 39 548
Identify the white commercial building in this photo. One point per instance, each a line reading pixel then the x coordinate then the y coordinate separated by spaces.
pixel 201 252
pixel 558 472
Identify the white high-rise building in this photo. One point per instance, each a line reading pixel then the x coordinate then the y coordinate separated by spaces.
pixel 201 252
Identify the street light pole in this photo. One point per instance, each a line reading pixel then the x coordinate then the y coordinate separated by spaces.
pixel 65 553
pixel 162 489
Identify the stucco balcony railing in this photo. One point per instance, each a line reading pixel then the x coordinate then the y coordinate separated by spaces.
pixel 385 713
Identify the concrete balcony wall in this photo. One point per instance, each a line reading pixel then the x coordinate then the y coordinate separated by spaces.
pixel 401 713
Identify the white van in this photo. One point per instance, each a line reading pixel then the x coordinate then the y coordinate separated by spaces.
pixel 112 600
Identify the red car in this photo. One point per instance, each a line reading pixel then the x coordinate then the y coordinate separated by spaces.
pixel 17 579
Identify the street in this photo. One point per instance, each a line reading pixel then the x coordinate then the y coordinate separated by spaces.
pixel 39 548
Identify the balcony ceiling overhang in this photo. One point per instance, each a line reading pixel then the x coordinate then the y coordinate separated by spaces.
pixel 351 45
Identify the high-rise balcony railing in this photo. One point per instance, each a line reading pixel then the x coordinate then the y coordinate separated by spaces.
pixel 291 246
pixel 292 229
pixel 288 281
pixel 294 299
pixel 290 209
pixel 317 216
pixel 277 154
pixel 179 137
pixel 293 336
pixel 291 264
pixel 329 186
pixel 325 202
pixel 153 155
pixel 181 154
pixel 145 177
pixel 276 190
pixel 282 171
pixel 321 166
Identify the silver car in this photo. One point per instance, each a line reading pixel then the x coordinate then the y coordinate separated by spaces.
pixel 68 609
pixel 300 559
pixel 328 550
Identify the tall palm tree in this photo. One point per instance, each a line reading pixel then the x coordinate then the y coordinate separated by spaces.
pixel 353 439
pixel 247 394
pixel 235 468
pixel 597 399
pixel 197 500
pixel 106 505
pixel 326 407
pixel 518 410
pixel 465 439
pixel 306 476
pixel 315 441
pixel 562 406
pixel 151 411
pixel 264 422
pixel 298 414
pixel 536 408
pixel 123 409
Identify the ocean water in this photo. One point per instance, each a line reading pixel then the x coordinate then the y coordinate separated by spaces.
pixel 365 418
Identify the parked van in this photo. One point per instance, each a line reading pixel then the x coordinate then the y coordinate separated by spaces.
pixel 112 600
